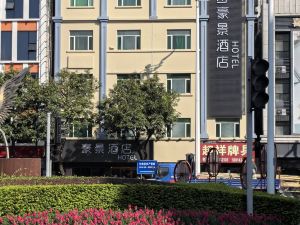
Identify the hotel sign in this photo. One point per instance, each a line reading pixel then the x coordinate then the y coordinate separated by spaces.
pixel 102 151
pixel 224 58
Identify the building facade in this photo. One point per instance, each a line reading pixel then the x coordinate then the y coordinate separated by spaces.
pixel 136 38
pixel 25 36
pixel 287 132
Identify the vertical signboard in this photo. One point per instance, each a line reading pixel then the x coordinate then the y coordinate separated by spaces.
pixel 296 84
pixel 224 57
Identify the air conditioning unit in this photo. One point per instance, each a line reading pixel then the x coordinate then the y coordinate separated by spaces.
pixel 281 112
pixel 10 4
pixel 280 69
pixel 32 47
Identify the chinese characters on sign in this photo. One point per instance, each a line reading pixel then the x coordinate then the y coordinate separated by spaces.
pixel 121 151
pixel 224 51
pixel 146 166
pixel 229 152
pixel 228 48
pixel 103 151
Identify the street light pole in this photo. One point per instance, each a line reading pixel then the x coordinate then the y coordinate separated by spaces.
pixel 250 25
pixel 271 104
pixel 48 160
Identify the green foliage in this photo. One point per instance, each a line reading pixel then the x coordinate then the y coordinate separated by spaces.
pixel 71 97
pixel 22 199
pixel 141 108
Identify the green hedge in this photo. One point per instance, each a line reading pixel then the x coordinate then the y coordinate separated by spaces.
pixel 22 199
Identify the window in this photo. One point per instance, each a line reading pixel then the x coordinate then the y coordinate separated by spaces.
pixel 179 2
pixel 129 40
pixel 180 83
pixel 128 76
pixel 27 45
pixel 179 39
pixel 79 3
pixel 14 9
pixel 283 81
pixel 227 129
pixel 80 130
pixel 180 129
pixel 81 40
pixel 34 8
pixel 129 2
pixel 6 45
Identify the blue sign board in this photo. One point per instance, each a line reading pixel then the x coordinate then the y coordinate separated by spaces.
pixel 146 166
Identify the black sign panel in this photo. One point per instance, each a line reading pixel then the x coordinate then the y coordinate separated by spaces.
pixel 103 151
pixel 224 74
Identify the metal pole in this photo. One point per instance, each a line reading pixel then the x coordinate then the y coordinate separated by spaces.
pixel 5 142
pixel 249 141
pixel 48 166
pixel 250 22
pixel 203 67
pixel 271 104
pixel 197 111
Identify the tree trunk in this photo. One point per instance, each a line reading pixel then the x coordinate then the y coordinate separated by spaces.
pixel 60 160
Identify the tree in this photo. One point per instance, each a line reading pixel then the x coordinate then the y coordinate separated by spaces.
pixel 71 97
pixel 140 108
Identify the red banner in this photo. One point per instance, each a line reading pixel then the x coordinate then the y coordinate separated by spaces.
pixel 229 152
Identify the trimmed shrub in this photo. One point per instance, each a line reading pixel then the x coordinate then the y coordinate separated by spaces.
pixel 217 197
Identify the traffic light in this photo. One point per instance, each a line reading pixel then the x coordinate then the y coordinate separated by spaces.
pixel 259 83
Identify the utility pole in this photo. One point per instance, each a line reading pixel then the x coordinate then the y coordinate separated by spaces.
pixel 48 160
pixel 250 25
pixel 271 105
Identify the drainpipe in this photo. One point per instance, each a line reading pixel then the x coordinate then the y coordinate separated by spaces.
pixel 197 95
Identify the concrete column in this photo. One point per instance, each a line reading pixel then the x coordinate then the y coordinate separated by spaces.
pixel 43 41
pixel 14 51
pixel 2 10
pixel 57 19
pixel 203 68
pixel 103 20
pixel 26 9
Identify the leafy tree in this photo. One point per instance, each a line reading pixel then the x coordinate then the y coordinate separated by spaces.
pixel 71 97
pixel 140 108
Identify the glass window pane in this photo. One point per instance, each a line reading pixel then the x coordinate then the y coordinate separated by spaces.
pixel 82 2
pixel 227 130
pixel 138 43
pixel 179 42
pixel 188 46
pixel 179 2
pixel 188 86
pixel 178 85
pixel 188 130
pixel 178 130
pixel 128 42
pixel 129 2
pixel 119 43
pixel 237 130
pixel 169 87
pixel 90 43
pixel 218 130
pixel 81 43
pixel 169 42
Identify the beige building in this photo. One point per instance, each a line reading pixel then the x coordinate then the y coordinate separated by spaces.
pixel 138 43
pixel 117 39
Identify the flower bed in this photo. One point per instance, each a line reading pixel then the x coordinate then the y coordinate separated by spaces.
pixel 138 217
